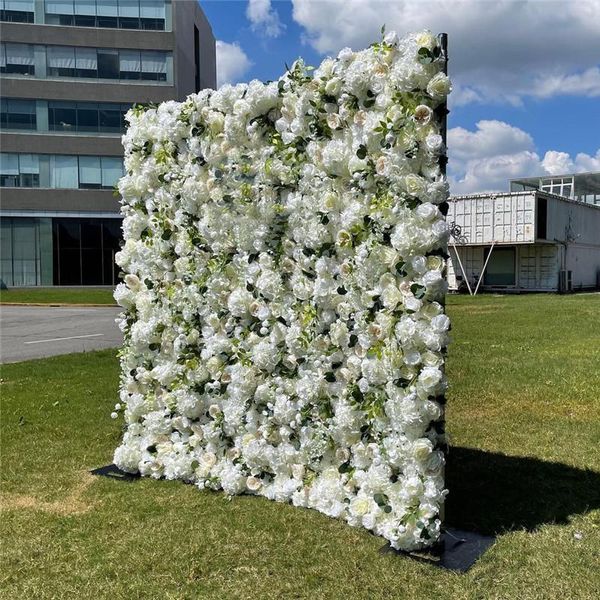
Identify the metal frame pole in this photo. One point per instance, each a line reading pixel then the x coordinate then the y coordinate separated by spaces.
pixel 462 269
pixel 484 268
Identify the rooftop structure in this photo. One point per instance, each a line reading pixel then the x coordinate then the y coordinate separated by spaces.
pixel 583 187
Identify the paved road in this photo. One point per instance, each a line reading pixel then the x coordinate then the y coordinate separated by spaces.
pixel 34 331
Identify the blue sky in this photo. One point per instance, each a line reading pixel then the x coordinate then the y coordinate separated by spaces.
pixel 526 74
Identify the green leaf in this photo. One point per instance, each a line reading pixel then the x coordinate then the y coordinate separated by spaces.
pixel 424 56
pixel 362 152
pixel 380 499
pixel 417 290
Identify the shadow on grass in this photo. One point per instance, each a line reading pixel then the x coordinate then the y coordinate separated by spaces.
pixel 493 493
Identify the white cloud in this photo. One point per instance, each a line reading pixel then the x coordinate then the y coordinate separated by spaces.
pixel 499 50
pixel 264 18
pixel 491 138
pixel 485 159
pixel 232 62
pixel 579 84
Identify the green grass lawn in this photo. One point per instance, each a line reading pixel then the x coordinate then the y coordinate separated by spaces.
pixel 57 295
pixel 524 464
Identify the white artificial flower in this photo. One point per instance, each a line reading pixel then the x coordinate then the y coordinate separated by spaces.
pixel 439 86
pixel 283 289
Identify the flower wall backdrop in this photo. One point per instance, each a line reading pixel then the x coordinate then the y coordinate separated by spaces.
pixel 284 258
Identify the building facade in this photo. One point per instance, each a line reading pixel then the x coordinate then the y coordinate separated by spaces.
pixel 69 71
pixel 526 240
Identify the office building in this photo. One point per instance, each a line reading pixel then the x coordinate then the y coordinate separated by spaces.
pixel 69 71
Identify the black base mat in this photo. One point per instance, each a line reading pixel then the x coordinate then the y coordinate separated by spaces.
pixel 114 472
pixel 457 550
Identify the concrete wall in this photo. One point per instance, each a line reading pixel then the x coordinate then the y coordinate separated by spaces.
pixel 40 200
pixel 186 16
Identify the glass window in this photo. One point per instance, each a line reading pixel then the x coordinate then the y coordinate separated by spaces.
pixel 17 59
pixel 107 11
pixel 130 64
pixel 62 116
pixel 19 170
pixel 107 8
pixel 108 64
pixel 110 118
pixel 129 14
pixel 61 61
pixel 501 267
pixel 29 170
pixel 152 14
pixel 85 7
pixel 60 12
pixel 86 62
pixel 60 7
pixel 63 172
pixel 112 171
pixel 17 114
pixel 154 65
pixel 17 11
pixel 87 116
pixel 9 170
pixel 90 172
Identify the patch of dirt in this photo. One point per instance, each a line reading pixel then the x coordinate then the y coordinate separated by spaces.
pixel 73 504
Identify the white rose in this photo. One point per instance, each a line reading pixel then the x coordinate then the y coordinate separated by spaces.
pixel 298 471
pixel 333 86
pixel 422 448
pixel 427 211
pixel 253 483
pixel 208 460
pixel 434 143
pixel 439 86
pixel 360 506
pixel 429 378
pixel 414 184
pixel 426 40
pixel 334 121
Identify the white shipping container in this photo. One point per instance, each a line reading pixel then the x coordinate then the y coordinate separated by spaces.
pixel 505 219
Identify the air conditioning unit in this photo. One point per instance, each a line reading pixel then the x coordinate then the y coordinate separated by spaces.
pixel 565 281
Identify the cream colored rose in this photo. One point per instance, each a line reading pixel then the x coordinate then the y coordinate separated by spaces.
pixel 298 471
pixel 415 185
pixel 423 114
pixel 439 86
pixel 342 454
pixel 253 483
pixel 360 118
pixel 208 460
pixel 360 506
pixel 435 263
pixel 333 86
pixel 334 121
pixel 422 448
pixel 426 40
